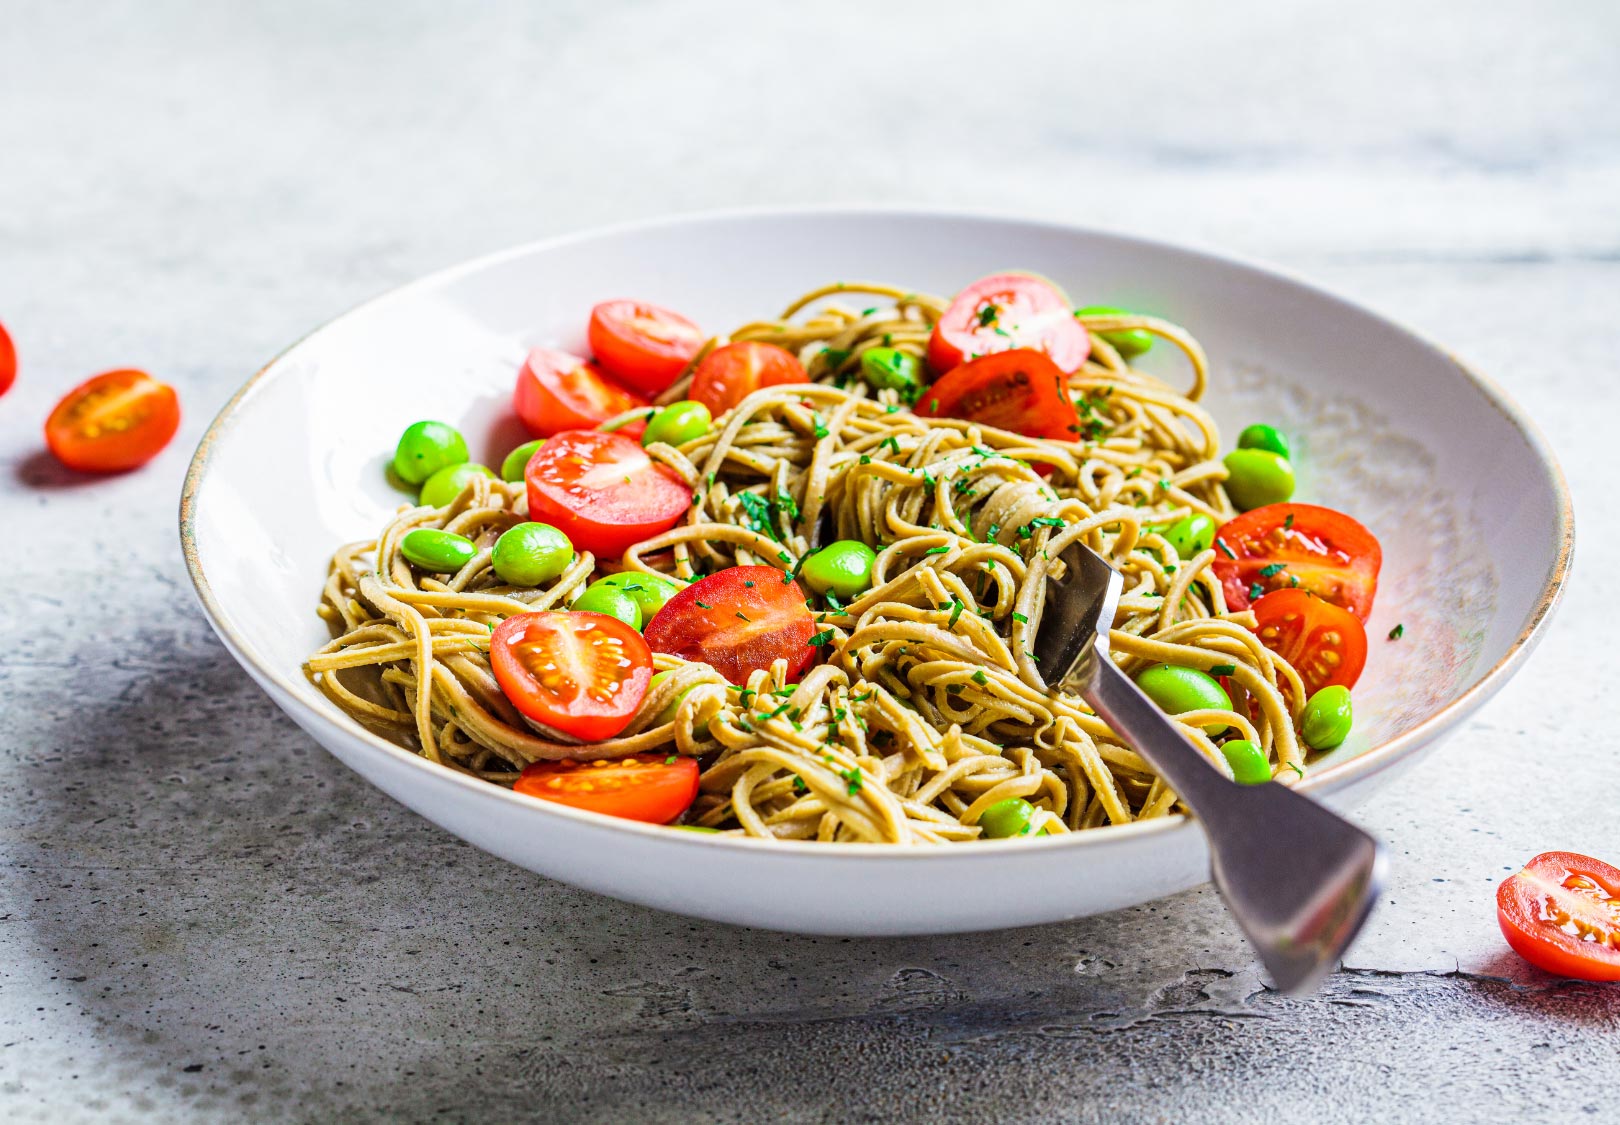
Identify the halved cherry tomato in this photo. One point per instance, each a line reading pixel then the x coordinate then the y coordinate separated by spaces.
pixel 8 361
pixel 1325 644
pixel 1021 391
pixel 557 391
pixel 642 345
pixel 116 421
pixel 1299 546
pixel 1004 312
pixel 737 621
pixel 581 674
pixel 1562 914
pixel 645 787
pixel 731 373
pixel 603 491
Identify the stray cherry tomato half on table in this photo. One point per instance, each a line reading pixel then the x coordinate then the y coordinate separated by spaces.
pixel 580 674
pixel 643 346
pixel 603 491
pixel 8 361
pixel 731 373
pixel 644 787
pixel 1325 644
pixel 738 621
pixel 557 391
pixel 1006 312
pixel 1298 546
pixel 116 421
pixel 1021 391
pixel 1561 913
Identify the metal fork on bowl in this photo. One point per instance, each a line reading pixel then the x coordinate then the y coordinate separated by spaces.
pixel 1299 878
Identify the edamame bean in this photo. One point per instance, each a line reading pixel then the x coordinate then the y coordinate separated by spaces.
pixel 425 448
pixel 531 553
pixel 1128 342
pixel 650 591
pixel 1191 534
pixel 442 552
pixel 444 486
pixel 611 600
pixel 890 369
pixel 1262 436
pixel 1257 477
pixel 1177 690
pixel 518 460
pixel 1248 762
pixel 667 715
pixel 843 568
pixel 1012 817
pixel 678 423
pixel 1327 719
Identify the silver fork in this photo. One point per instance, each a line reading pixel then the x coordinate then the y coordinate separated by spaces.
pixel 1298 878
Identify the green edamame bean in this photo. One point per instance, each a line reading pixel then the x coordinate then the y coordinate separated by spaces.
pixel 531 553
pixel 1248 762
pixel 667 715
pixel 425 448
pixel 678 423
pixel 1128 342
pixel 611 600
pixel 844 568
pixel 442 552
pixel 1262 436
pixel 1257 477
pixel 1191 534
pixel 890 369
pixel 444 486
pixel 1327 719
pixel 1176 690
pixel 518 460
pixel 650 591
pixel 1012 817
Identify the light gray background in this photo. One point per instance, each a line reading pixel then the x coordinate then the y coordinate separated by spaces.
pixel 204 917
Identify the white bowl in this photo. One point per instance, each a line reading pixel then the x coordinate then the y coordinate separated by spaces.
pixel 1472 511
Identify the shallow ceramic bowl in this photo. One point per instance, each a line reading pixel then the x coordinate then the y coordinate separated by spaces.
pixel 1472 511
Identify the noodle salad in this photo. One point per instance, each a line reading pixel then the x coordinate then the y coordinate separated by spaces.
pixel 785 583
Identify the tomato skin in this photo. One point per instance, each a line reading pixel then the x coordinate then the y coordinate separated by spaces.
pixel 1020 390
pixel 1326 644
pixel 1029 312
pixel 603 491
pixel 556 391
pixel 643 346
pixel 8 361
pixel 581 674
pixel 116 421
pixel 731 373
pixel 1536 924
pixel 644 787
pixel 1323 551
pixel 700 623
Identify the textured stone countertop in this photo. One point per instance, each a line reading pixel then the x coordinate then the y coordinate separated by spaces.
pixel 205 917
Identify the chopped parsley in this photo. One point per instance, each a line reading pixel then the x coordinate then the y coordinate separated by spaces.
pixel 821 638
pixel 938 551
pixel 892 442
pixel 1256 591
pixel 852 778
pixel 1225 550
pixel 799 786
pixel 980 678
pixel 704 605
pixel 956 611
pixel 1396 633
pixel 742 616
pixel 1020 618
pixel 988 315
pixel 1289 522
pixel 1222 669
pixel 1272 568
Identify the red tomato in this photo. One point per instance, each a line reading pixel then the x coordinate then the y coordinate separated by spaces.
pixel 737 621
pixel 1325 644
pixel 645 787
pixel 116 421
pixel 557 391
pixel 1021 391
pixel 1562 914
pixel 643 346
pixel 581 674
pixel 8 361
pixel 731 373
pixel 1320 550
pixel 603 491
pixel 1005 312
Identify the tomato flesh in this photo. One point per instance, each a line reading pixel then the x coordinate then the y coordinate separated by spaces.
pixel 580 674
pixel 642 345
pixel 1298 546
pixel 1007 312
pixel 557 391
pixel 738 621
pixel 8 361
pixel 1021 391
pixel 644 787
pixel 1561 913
pixel 1326 644
pixel 731 373
pixel 603 491
pixel 115 421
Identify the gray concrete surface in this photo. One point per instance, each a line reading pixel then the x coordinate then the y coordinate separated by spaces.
pixel 203 917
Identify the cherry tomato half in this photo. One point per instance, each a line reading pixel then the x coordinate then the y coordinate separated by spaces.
pixel 8 361
pixel 731 373
pixel 557 391
pixel 116 421
pixel 581 674
pixel 1325 644
pixel 1562 914
pixel 1021 391
pixel 603 491
pixel 737 621
pixel 1004 312
pixel 1299 546
pixel 643 346
pixel 645 787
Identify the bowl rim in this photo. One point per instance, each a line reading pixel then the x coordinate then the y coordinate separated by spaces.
pixel 1373 761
